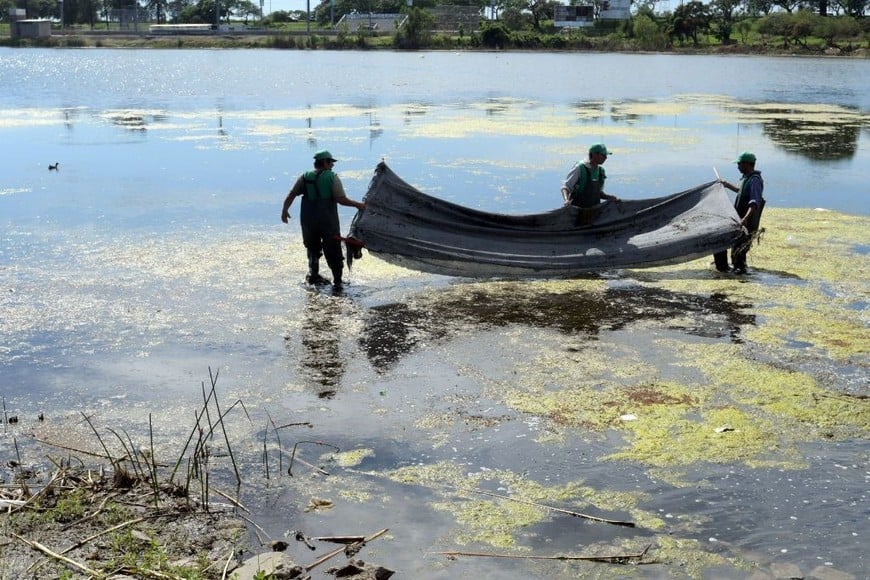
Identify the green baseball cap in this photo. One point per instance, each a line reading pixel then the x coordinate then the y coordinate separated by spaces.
pixel 599 148
pixel 324 154
pixel 745 157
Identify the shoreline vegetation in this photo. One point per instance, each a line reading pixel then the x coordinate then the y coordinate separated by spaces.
pixel 104 506
pixel 795 34
pixel 329 42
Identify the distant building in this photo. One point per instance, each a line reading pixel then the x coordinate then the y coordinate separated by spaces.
pixel 583 16
pixel 615 10
pixel 371 21
pixel 455 18
pixel 574 16
pixel 22 27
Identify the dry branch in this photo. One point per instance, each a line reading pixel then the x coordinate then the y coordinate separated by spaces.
pixel 619 559
pixel 339 539
pixel 337 551
pixel 77 565
pixel 552 508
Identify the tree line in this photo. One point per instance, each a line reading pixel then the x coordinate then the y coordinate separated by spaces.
pixel 787 24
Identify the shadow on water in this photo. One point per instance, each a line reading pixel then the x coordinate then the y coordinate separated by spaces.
pixel 393 331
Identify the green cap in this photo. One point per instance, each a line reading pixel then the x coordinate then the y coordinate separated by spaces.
pixel 745 157
pixel 324 154
pixel 599 148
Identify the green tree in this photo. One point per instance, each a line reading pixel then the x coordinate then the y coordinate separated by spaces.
pixel 36 9
pixel 5 7
pixel 417 30
pixel 691 20
pixel 158 9
pixel 203 12
pixel 647 33
pixel 536 10
pixel 792 28
pixel 788 5
pixel 723 18
pixel 515 18
pixel 494 35
pixel 744 27
pixel 836 29
pixel 854 8
pixel 759 7
pixel 245 9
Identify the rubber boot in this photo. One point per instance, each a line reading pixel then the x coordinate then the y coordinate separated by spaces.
pixel 721 260
pixel 314 276
pixel 337 282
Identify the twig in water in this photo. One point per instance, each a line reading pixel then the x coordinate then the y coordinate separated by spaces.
pixel 223 429
pixel 552 508
pixel 298 424
pixel 266 449
pixel 17 452
pixel 152 464
pixel 337 551
pixel 293 455
pixel 114 528
pixel 620 559
pixel 339 539
pixel 130 453
pixel 113 461
pixel 233 501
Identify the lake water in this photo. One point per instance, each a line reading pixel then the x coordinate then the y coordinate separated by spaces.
pixel 155 253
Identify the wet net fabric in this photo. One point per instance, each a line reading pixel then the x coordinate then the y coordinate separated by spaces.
pixel 404 226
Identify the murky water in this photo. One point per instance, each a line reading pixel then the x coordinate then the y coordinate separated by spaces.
pixel 727 418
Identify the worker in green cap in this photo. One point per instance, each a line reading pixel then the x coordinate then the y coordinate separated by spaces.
pixel 584 186
pixel 321 191
pixel 749 205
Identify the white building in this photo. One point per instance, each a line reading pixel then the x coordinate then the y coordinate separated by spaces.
pixel 582 16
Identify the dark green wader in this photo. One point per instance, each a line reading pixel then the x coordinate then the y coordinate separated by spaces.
pixel 321 230
pixel 741 247
pixel 587 194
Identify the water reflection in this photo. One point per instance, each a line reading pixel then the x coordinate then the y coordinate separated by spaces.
pixel 816 133
pixel 322 365
pixel 392 331
pixel 375 129
pixel 822 140
pixel 584 108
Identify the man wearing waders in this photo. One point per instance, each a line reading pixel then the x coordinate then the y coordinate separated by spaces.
pixel 584 186
pixel 321 191
pixel 749 205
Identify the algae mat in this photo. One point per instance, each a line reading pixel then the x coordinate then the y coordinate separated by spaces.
pixel 725 417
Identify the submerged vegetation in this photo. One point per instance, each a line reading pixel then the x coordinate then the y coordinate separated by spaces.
pixel 590 423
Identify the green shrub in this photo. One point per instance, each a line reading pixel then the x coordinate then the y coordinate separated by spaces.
pixel 494 35
pixel 647 34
